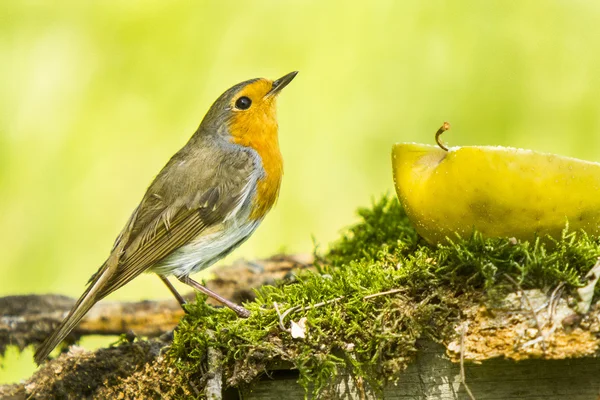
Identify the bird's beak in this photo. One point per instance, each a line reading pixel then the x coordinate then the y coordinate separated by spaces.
pixel 281 83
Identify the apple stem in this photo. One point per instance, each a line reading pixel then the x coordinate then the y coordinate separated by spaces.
pixel 445 126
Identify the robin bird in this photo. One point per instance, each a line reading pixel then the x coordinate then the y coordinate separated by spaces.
pixel 205 202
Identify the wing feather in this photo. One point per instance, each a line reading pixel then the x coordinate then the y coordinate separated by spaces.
pixel 182 229
pixel 169 216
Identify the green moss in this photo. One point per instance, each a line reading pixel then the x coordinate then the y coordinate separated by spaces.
pixel 374 338
pixel 384 228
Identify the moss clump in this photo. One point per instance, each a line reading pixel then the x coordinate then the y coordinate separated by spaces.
pixel 373 337
pixel 384 229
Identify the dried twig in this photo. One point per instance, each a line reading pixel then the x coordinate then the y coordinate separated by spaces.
pixel 535 317
pixel 27 320
pixel 540 338
pixel 382 293
pixel 554 300
pixel 541 307
pixel 321 304
pixel 279 315
pixel 298 308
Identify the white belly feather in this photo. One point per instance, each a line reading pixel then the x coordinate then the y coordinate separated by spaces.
pixel 206 249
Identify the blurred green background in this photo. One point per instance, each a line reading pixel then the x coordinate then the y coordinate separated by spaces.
pixel 95 98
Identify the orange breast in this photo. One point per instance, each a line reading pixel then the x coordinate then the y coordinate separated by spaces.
pixel 262 137
pixel 268 187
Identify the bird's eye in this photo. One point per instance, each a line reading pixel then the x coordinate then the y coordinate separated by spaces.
pixel 243 103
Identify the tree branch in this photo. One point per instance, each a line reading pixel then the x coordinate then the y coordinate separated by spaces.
pixel 27 320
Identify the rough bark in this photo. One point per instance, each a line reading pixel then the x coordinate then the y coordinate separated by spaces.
pixel 531 344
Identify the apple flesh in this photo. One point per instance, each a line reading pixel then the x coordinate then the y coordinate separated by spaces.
pixel 498 191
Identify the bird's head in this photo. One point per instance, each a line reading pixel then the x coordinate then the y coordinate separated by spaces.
pixel 247 112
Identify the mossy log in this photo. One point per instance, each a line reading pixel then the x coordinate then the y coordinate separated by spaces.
pixel 505 357
pixel 433 375
pixel 381 315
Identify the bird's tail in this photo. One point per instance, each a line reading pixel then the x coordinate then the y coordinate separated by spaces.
pixel 92 294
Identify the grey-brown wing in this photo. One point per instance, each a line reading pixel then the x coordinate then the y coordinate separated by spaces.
pixel 174 210
pixel 166 222
pixel 165 238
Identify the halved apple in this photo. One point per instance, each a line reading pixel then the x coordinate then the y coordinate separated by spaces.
pixel 498 191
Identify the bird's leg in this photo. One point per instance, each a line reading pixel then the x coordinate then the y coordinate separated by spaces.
pixel 239 310
pixel 179 297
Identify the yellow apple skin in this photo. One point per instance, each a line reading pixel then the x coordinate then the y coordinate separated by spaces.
pixel 498 191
